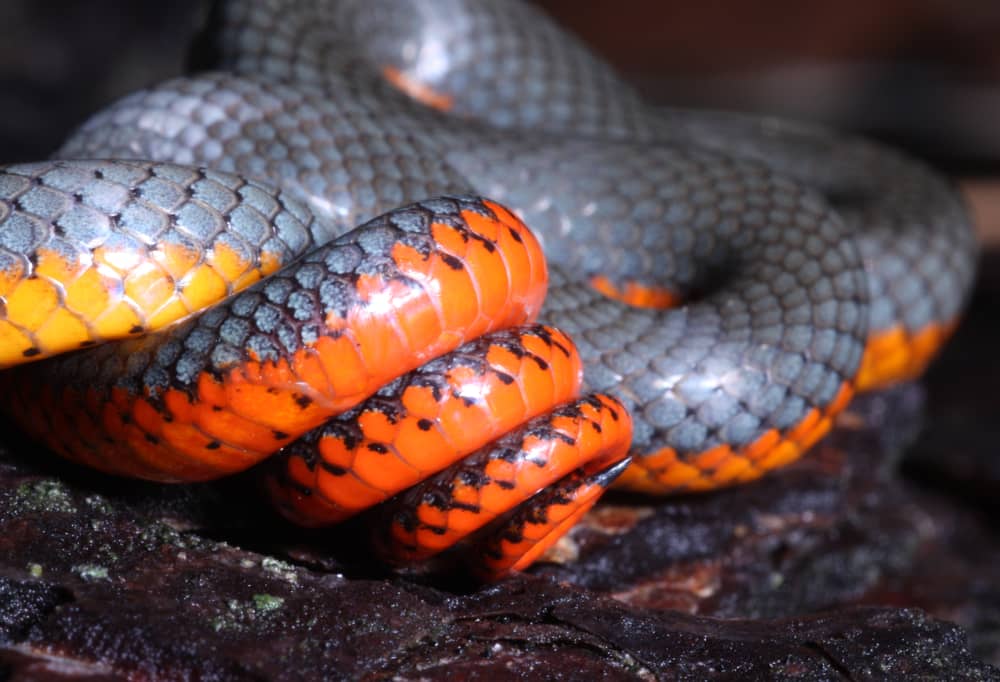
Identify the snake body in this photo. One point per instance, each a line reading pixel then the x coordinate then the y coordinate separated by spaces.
pixel 329 114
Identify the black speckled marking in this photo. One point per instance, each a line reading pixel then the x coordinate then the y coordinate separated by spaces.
pixel 783 302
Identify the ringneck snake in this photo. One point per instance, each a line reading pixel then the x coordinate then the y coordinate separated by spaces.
pixel 720 285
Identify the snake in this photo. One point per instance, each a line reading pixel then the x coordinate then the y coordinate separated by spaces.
pixel 716 286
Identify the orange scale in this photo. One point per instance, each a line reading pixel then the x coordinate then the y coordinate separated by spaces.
pixel 751 473
pixel 805 425
pixel 484 226
pixel 713 457
pixel 636 294
pixel 111 421
pixel 348 493
pixel 418 320
pixel 382 352
pixel 494 284
pixel 885 356
pixel 730 469
pixel 551 535
pixel 410 261
pixel 495 499
pixel 280 374
pixel 210 392
pixel 146 417
pixel 698 485
pixel 463 494
pixel 538 346
pixel 384 472
pixel 227 261
pixel 202 287
pixel 929 340
pixel 448 238
pixel 279 410
pixel 183 439
pixel 466 427
pixel 31 302
pixel 240 432
pixel 536 538
pixel 346 372
pixel 503 359
pixel 180 406
pixel 784 453
pixel 820 430
pixel 762 445
pixel 270 261
pixel 457 292
pixel 539 387
pixel 135 455
pixel 661 459
pixel 176 259
pixel 93 404
pixel 506 217
pixel 13 344
pixel 595 435
pixel 432 516
pixel 310 370
pixel 91 294
pixel 677 476
pixel 462 522
pixel 506 405
pixel 413 88
pixel 300 472
pixel 527 269
pixel 249 277
pixel 560 459
pixel 335 452
pixel 841 400
pixel 149 287
pixel 459 300
pixel 463 376
pixel 54 265
pixel 420 403
pixel 377 426
pixel 425 450
pixel 173 311
pixel 500 470
pixel 118 397
pixel 117 321
pixel 431 542
pixel 207 457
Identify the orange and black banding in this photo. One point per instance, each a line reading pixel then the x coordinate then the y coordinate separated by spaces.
pixel 217 394
pixel 423 422
pixel 574 443
pixel 522 537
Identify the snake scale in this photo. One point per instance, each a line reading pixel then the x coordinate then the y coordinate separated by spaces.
pixel 719 285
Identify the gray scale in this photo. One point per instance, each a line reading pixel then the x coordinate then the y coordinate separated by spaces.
pixel 699 203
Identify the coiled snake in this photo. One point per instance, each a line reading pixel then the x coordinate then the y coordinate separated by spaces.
pixel 798 267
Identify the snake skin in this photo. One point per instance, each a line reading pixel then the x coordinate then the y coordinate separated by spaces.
pixel 506 63
pixel 781 310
